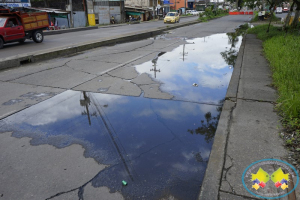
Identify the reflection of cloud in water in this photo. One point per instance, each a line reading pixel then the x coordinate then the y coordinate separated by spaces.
pixel 176 113
pixel 152 136
pixel 204 65
pixel 63 111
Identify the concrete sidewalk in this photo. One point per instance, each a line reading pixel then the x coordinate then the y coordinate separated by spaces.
pixel 248 127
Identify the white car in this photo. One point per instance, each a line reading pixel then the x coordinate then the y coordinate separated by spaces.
pixel 189 12
pixel 194 12
pixel 278 10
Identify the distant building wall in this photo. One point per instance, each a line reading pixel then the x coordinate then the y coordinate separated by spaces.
pixel 79 20
pixel 104 10
pixel 143 3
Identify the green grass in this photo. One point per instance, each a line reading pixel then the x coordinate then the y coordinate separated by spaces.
pixel 282 51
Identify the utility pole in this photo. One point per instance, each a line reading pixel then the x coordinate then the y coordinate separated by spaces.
pixel 71 15
pixel 175 4
pixel 86 12
pixel 185 7
pixel 153 9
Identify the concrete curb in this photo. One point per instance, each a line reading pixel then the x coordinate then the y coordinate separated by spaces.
pixel 15 61
pixel 213 175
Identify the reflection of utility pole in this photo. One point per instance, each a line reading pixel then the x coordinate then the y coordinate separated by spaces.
pixel 113 138
pixel 184 53
pixel 154 61
pixel 86 102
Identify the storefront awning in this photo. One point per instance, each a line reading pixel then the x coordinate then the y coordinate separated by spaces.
pixel 134 13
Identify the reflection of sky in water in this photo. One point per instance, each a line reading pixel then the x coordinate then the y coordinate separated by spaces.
pixel 160 147
pixel 144 141
pixel 202 64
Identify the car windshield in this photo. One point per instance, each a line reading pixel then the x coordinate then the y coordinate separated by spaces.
pixel 171 14
pixel 2 21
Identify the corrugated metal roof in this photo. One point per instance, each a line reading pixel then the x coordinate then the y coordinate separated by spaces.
pixel 49 10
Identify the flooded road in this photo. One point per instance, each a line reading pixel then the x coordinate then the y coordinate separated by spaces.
pixel 195 71
pixel 159 146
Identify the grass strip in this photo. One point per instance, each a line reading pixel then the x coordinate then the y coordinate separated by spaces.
pixel 282 52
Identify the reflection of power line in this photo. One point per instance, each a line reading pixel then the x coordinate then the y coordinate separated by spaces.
pixel 113 138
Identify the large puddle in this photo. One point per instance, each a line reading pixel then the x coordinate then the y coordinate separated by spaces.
pixel 198 71
pixel 160 147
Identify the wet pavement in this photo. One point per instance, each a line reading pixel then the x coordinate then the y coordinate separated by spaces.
pixel 148 112
pixel 155 145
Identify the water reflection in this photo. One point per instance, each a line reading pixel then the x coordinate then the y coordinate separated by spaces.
pixel 209 125
pixel 197 61
pixel 143 141
pixel 160 147
pixel 230 55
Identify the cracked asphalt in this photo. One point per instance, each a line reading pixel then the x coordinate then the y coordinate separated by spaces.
pixel 47 172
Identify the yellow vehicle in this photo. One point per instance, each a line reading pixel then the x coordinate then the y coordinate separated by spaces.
pixel 172 17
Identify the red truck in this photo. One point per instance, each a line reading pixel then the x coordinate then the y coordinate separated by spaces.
pixel 17 26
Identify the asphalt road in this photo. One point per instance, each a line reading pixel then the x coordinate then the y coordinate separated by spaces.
pixel 51 153
pixel 53 41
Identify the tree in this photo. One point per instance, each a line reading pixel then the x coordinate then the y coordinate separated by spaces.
pixel 288 17
pixel 297 14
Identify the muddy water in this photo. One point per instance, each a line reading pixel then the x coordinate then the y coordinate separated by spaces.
pixel 160 147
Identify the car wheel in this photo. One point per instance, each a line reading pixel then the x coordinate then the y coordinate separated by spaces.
pixel 22 41
pixel 1 43
pixel 38 36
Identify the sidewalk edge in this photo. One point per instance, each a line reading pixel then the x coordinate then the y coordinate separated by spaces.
pixel 213 174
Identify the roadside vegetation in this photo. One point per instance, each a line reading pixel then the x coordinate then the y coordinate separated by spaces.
pixel 268 15
pixel 282 49
pixel 210 13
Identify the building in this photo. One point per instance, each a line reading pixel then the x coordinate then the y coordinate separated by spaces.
pixel 157 8
pixel 15 3
pixel 178 4
pixel 103 10
pixel 142 6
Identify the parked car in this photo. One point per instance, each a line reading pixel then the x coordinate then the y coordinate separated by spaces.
pixel 285 9
pixel 194 12
pixel 172 17
pixel 278 10
pixel 189 12
pixel 17 26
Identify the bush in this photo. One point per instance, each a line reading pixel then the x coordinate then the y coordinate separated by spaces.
pixel 209 13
